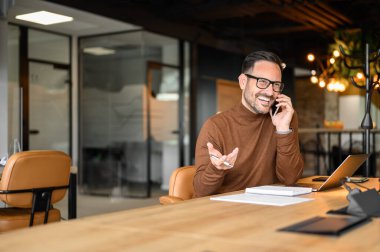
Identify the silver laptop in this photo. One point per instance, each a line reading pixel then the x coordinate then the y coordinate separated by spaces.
pixel 346 169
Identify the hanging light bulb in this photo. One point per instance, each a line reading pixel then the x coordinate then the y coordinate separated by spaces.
pixel 314 79
pixel 322 84
pixel 330 87
pixel 359 75
pixel 341 87
pixel 332 60
pixel 310 57
pixel 313 72
pixel 336 53
pixel 336 85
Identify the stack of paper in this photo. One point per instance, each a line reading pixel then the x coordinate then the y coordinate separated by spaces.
pixel 279 190
pixel 268 195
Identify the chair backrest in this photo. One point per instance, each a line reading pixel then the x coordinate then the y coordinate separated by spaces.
pixel 34 169
pixel 181 182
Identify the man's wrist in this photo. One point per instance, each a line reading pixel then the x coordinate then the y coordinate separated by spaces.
pixel 284 132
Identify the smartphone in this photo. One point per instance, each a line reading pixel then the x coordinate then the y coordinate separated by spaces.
pixel 275 109
pixel 323 178
pixel 357 179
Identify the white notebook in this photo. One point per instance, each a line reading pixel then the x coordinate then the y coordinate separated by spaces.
pixel 279 190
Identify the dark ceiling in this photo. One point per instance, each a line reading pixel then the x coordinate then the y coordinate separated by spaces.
pixel 289 27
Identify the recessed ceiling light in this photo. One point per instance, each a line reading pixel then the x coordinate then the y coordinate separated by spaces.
pixel 98 51
pixel 167 97
pixel 44 18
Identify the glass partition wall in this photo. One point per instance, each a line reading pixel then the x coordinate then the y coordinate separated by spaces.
pixel 39 90
pixel 132 116
pixel 14 96
pixel 48 92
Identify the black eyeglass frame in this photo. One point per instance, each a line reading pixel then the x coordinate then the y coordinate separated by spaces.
pixel 269 82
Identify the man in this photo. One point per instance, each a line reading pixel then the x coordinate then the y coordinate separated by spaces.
pixel 249 145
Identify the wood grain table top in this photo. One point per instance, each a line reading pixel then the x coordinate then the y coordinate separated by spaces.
pixel 200 225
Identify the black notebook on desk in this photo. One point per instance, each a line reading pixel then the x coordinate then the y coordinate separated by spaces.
pixel 326 225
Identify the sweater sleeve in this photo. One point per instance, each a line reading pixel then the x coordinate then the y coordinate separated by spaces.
pixel 207 179
pixel 289 161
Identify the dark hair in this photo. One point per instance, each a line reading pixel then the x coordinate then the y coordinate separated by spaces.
pixel 253 57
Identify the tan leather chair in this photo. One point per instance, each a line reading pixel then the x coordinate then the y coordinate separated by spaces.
pixel 180 185
pixel 31 182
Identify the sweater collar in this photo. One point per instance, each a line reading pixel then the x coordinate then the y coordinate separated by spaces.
pixel 246 114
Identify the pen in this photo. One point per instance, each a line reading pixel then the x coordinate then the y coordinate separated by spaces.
pixel 225 162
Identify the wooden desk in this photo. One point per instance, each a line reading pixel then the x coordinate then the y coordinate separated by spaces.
pixel 198 225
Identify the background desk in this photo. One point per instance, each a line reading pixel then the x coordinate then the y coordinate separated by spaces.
pixel 198 225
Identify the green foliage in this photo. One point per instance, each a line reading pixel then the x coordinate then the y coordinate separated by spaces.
pixel 353 43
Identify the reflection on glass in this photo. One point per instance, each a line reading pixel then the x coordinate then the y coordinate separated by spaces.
pixel 114 121
pixel 48 107
pixel 164 82
pixel 186 103
pixel 14 86
pixel 48 47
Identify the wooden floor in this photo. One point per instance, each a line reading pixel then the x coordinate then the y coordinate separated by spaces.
pixel 90 205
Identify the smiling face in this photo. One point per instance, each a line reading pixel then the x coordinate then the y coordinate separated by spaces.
pixel 258 100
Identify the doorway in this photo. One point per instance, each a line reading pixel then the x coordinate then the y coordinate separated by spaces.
pixel 45 90
pixel 49 96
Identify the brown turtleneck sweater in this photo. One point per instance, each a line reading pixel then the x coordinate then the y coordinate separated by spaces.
pixel 264 157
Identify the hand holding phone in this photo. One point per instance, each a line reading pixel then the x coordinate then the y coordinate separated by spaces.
pixel 283 117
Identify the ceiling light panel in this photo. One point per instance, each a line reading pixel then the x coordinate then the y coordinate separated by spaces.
pixel 44 18
pixel 98 51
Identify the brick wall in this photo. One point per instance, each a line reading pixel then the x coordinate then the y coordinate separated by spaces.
pixel 309 103
pixel 313 104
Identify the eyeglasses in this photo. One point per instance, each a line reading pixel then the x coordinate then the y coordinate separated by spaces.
pixel 263 83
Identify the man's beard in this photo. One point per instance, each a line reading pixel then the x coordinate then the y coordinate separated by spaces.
pixel 253 105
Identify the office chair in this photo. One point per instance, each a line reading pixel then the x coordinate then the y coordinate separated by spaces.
pixel 180 185
pixel 31 182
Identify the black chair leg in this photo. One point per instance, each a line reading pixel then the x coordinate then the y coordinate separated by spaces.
pixel 48 194
pixel 34 202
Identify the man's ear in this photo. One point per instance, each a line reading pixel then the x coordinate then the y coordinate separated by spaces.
pixel 242 81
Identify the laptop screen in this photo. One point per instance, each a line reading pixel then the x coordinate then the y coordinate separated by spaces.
pixel 346 169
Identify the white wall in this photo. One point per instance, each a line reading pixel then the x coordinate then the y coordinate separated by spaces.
pixel 351 113
pixel 351 110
